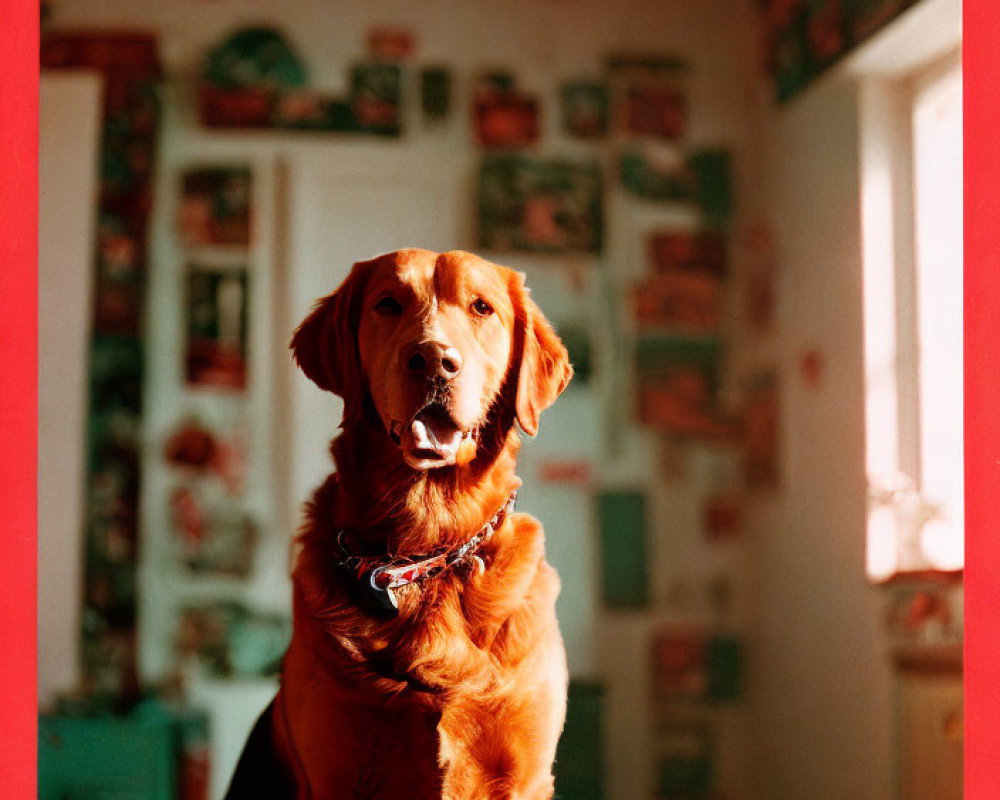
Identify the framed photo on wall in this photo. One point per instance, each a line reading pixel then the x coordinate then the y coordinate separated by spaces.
pixel 216 320
pixel 542 205
pixel 677 385
pixel 761 431
pixel 215 206
pixel 585 109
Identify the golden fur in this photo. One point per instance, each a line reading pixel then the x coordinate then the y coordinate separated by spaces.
pixel 462 694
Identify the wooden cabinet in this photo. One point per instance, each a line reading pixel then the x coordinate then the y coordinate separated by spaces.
pixel 930 708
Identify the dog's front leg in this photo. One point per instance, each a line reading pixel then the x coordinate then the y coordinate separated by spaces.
pixel 502 747
pixel 493 767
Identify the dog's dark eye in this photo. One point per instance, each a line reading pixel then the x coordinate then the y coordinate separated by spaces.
pixel 388 305
pixel 481 307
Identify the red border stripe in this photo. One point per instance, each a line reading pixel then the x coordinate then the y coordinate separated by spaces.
pixel 18 395
pixel 981 65
pixel 18 392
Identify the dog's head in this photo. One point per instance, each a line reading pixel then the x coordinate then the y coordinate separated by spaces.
pixel 438 342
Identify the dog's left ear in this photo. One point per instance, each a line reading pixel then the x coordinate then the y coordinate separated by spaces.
pixel 325 345
pixel 544 369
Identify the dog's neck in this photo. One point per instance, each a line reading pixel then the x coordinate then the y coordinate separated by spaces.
pixel 395 509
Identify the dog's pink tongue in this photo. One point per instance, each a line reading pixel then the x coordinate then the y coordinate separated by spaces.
pixel 433 429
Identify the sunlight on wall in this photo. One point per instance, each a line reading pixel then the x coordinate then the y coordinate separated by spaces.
pixel 937 144
pixel 911 198
pixel 878 258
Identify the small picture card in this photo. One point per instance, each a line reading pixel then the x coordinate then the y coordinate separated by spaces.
pixel 116 373
pixel 226 546
pixel 577 472
pixel 722 515
pixel 191 446
pixel 761 442
pixel 119 253
pixel 376 90
pixel 435 93
pixel 243 74
pixel 390 42
pixel 197 450
pixel 538 204
pixel 585 109
pixel 684 760
pixel 690 663
pixel 652 110
pixel 760 293
pixel 213 538
pixel 234 107
pixel 702 178
pixel 229 639
pixel 119 281
pixel 725 667
pixel 187 514
pixel 677 385
pixel 658 175
pixel 305 109
pixel 254 55
pixel 679 302
pixel 712 171
pixel 672 250
pixel 649 95
pixel 216 205
pixel 624 559
pixel 216 347
pixel 201 634
pixel 680 664
pixel 504 118
pixel 826 32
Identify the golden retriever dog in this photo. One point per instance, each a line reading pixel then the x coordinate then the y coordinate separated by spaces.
pixel 426 660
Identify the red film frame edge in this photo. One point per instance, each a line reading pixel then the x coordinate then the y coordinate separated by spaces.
pixel 981 65
pixel 18 393
pixel 18 396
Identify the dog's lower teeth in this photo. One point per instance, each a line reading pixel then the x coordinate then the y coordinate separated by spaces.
pixel 423 437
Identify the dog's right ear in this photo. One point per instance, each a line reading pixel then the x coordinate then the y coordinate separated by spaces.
pixel 544 369
pixel 325 345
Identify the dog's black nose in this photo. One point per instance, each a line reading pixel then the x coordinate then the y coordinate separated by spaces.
pixel 432 360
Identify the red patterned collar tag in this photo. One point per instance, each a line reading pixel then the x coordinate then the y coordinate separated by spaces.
pixel 382 579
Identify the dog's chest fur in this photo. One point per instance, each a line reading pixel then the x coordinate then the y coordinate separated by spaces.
pixel 394 707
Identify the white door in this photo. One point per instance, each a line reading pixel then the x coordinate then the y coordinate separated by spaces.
pixel 338 214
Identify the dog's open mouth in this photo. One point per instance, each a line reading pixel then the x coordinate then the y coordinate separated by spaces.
pixel 431 439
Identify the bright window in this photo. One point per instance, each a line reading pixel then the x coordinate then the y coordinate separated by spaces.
pixel 912 231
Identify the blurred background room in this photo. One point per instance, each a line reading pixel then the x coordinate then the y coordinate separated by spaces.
pixel 744 218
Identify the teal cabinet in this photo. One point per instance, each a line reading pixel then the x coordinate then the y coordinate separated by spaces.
pixel 579 758
pixel 109 758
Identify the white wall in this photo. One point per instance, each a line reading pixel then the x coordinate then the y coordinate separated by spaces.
pixel 821 689
pixel 819 685
pixel 69 111
pixel 823 698
pixel 545 42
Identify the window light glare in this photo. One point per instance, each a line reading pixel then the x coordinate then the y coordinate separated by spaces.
pixel 911 212
pixel 883 533
pixel 942 544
